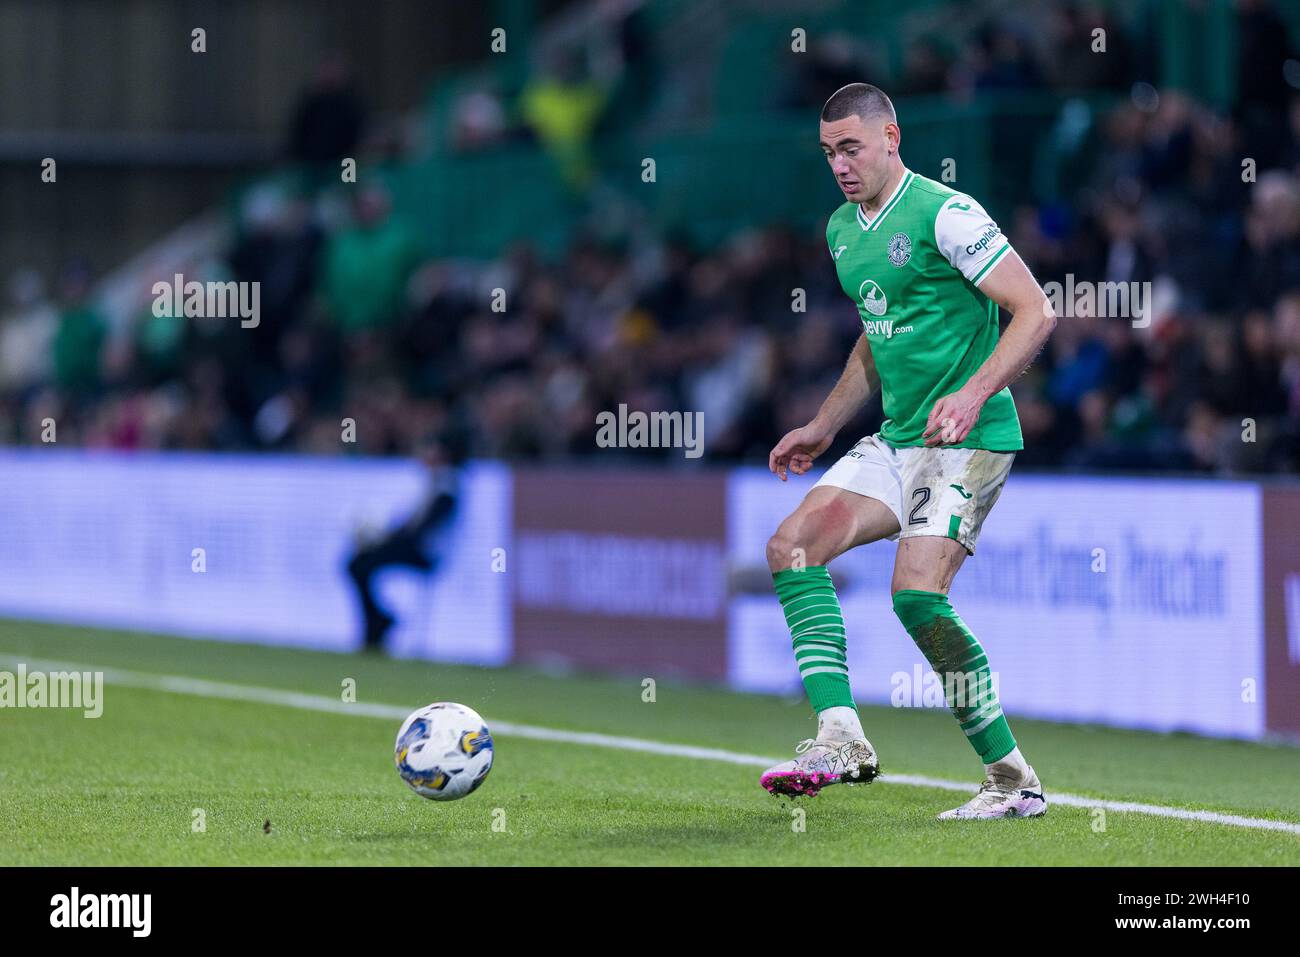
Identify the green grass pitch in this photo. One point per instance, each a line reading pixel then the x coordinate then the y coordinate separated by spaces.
pixel 124 788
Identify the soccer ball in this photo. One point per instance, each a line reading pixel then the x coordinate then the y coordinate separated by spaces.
pixel 444 751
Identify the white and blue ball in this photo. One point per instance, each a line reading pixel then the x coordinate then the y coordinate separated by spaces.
pixel 444 751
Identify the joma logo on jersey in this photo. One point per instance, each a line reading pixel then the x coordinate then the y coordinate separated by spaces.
pixel 873 297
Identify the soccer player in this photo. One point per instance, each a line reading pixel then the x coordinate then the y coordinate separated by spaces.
pixel 420 541
pixel 927 268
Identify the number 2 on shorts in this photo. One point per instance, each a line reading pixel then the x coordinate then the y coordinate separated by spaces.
pixel 923 493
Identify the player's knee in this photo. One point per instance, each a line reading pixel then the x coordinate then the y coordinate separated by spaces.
pixel 780 550
pixel 909 580
pixel 917 581
pixel 811 536
pixel 787 549
pixel 916 570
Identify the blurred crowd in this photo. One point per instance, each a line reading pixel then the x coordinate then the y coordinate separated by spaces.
pixel 365 344
pixel 1051 46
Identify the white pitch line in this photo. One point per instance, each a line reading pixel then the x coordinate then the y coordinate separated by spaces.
pixel 198 687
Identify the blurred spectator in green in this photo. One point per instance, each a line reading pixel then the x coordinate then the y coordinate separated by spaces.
pixel 367 266
pixel 80 334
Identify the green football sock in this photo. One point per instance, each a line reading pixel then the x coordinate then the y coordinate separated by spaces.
pixel 812 611
pixel 957 658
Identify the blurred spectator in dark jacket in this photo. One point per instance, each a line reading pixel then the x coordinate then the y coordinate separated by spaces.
pixel 925 67
pixel 1076 61
pixel 1263 47
pixel 329 119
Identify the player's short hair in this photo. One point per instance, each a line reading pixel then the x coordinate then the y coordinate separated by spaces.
pixel 858 99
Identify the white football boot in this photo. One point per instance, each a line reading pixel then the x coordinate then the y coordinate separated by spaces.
pixel 1005 793
pixel 820 763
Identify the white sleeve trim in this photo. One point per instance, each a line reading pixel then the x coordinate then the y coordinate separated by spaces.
pixel 968 237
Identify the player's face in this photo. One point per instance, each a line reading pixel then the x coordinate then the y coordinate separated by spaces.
pixel 858 155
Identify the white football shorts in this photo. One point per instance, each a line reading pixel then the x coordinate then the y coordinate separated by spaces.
pixel 931 491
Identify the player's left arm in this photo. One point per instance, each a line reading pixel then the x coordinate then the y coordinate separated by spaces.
pixel 1002 276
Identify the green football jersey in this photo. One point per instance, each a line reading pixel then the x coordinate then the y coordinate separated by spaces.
pixel 914 271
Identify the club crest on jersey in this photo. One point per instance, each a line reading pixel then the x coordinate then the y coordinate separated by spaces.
pixel 900 249
pixel 873 297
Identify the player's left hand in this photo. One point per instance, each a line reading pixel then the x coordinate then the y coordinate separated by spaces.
pixel 952 418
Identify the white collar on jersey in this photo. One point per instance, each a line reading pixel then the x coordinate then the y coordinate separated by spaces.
pixel 904 182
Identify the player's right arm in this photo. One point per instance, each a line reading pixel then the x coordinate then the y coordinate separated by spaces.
pixel 798 448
